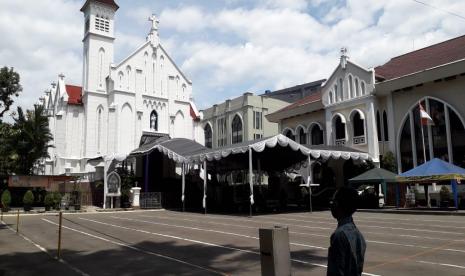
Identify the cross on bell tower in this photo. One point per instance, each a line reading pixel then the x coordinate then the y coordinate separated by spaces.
pixel 153 34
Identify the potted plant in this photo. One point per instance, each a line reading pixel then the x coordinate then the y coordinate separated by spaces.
pixel 28 200
pixel 57 200
pixel 6 200
pixel 48 201
pixel 444 195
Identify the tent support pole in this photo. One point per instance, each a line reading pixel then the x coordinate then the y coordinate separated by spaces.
pixel 183 186
pixel 250 181
pixel 310 180
pixel 427 197
pixel 105 187
pixel 205 176
pixel 383 185
pixel 397 195
pixel 146 180
pixel 453 183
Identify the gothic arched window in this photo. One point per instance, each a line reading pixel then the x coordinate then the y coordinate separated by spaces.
pixel 443 140
pixel 128 73
pixel 236 127
pixel 339 128
pixel 358 124
pixel 302 136
pixel 101 54
pixel 154 120
pixel 208 133
pixel 317 135
pixel 385 126
pixel 378 126
pixel 341 90
pixel 351 87
pixel 288 134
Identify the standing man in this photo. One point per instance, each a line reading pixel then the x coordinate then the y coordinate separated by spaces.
pixel 346 253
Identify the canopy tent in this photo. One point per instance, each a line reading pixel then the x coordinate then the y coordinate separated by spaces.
pixel 376 176
pixel 274 153
pixel 176 149
pixel 435 170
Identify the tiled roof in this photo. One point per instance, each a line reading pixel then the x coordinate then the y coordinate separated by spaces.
pixel 422 59
pixel 74 94
pixel 107 2
pixel 314 97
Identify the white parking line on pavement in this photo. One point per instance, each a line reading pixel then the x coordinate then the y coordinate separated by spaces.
pixel 43 249
pixel 441 264
pixel 357 219
pixel 138 249
pixel 380 227
pixel 300 233
pixel 309 234
pixel 214 231
pixel 232 225
pixel 204 243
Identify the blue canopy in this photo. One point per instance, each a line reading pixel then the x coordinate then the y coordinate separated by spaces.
pixel 434 170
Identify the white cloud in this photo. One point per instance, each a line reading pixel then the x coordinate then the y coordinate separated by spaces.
pixel 287 4
pixel 266 44
pixel 40 43
pixel 185 19
pixel 140 15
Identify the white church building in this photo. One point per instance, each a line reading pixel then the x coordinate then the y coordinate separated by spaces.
pixel 145 94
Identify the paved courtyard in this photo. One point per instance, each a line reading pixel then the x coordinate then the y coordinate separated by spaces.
pixel 175 243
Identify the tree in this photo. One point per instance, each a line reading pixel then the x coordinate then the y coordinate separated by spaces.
pixel 31 139
pixel 9 88
pixel 6 200
pixel 388 162
pixel 7 152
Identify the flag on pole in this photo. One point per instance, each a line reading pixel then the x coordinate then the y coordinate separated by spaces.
pixel 425 118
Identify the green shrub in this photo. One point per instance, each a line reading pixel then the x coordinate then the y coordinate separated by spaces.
pixel 6 199
pixel 56 200
pixel 28 198
pixel 48 201
pixel 444 193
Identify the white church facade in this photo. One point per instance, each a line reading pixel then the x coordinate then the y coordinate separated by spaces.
pixel 144 94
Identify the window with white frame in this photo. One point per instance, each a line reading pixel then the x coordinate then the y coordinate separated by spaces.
pixel 236 127
pixel 257 122
pixel 221 124
pixel 102 23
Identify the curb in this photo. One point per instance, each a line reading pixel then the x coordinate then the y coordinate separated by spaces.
pixel 414 212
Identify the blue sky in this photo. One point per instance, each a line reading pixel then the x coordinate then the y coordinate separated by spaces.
pixel 226 47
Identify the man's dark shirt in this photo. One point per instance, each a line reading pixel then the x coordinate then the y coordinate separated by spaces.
pixel 347 250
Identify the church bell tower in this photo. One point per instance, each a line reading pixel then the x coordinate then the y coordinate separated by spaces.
pixel 98 43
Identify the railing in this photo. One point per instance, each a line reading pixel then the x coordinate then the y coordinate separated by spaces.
pixel 340 142
pixel 359 140
pixel 150 200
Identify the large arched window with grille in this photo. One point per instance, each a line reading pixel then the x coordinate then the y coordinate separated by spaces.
pixel 444 139
pixel 358 127
pixel 208 133
pixel 339 128
pixel 316 133
pixel 154 120
pixel 236 127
